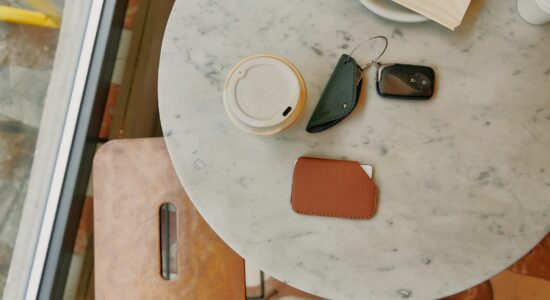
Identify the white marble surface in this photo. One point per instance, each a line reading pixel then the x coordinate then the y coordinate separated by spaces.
pixel 464 179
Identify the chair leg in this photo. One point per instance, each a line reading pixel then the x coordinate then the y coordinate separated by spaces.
pixel 261 295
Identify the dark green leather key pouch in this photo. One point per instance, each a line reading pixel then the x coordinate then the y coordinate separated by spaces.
pixel 340 96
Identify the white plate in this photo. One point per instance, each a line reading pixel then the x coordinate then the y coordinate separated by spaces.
pixel 393 11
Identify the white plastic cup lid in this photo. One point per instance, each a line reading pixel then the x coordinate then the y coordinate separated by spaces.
pixel 264 94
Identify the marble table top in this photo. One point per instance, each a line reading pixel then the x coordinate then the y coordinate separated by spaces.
pixel 464 179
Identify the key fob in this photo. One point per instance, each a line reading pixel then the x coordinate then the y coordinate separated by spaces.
pixel 405 81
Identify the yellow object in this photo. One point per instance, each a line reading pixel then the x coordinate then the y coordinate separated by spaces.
pixel 47 8
pixel 29 17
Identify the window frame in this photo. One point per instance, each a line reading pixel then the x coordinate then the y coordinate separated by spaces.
pixel 73 162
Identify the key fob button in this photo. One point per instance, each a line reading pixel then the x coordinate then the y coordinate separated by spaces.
pixel 419 81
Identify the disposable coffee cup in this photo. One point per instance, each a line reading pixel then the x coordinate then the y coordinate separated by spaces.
pixel 264 94
pixel 536 12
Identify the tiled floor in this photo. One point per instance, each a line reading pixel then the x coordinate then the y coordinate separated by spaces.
pixel 26 57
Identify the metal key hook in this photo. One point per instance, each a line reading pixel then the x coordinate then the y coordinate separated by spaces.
pixel 374 61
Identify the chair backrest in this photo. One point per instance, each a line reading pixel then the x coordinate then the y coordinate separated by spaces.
pixel 131 180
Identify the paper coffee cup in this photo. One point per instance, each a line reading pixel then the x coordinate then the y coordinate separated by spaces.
pixel 264 94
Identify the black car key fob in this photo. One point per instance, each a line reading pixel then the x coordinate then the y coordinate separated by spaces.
pixel 405 81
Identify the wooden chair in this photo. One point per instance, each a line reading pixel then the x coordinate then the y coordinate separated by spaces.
pixel 535 263
pixel 482 291
pixel 132 179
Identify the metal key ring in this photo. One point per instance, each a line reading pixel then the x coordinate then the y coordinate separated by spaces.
pixel 374 61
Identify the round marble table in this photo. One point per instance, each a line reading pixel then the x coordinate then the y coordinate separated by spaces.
pixel 464 179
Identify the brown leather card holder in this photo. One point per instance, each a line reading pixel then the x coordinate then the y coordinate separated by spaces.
pixel 333 188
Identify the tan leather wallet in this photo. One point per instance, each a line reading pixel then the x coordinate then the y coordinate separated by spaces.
pixel 333 188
